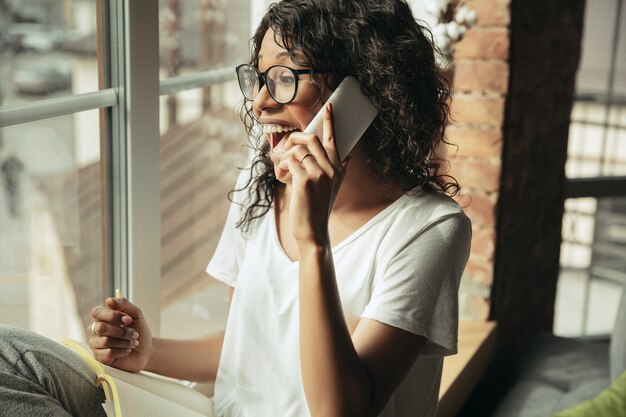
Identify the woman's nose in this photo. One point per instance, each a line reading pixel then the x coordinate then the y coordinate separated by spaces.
pixel 264 101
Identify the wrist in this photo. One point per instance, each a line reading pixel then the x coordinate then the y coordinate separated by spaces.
pixel 315 236
pixel 151 356
pixel 311 248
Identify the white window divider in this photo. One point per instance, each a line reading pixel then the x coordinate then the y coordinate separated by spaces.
pixel 136 175
pixel 60 106
pixel 197 80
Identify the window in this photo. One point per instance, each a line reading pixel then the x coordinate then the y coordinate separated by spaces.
pixel 593 266
pixel 50 219
pixel 84 176
pixel 49 223
pixel 202 146
pixel 75 156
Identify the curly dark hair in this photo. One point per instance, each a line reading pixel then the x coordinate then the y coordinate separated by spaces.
pixel 381 44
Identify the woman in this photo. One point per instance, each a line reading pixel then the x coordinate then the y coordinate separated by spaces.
pixel 343 275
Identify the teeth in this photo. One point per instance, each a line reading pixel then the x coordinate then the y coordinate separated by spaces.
pixel 277 128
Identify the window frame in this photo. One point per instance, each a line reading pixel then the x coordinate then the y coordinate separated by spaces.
pixel 128 55
pixel 602 185
pixel 135 190
pixel 129 149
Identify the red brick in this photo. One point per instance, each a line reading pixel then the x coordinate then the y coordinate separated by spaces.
pixel 480 208
pixel 481 75
pixel 492 12
pixel 477 174
pixel 478 110
pixel 478 143
pixel 488 43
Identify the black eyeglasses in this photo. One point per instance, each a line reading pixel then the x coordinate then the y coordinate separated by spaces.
pixel 281 81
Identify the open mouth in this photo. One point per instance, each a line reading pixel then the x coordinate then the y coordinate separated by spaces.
pixel 275 133
pixel 275 138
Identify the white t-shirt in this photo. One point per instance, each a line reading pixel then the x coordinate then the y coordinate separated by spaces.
pixel 401 268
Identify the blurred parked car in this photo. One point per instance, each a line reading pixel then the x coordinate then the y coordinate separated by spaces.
pixel 33 37
pixel 38 42
pixel 42 79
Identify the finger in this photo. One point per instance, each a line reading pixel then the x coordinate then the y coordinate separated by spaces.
pixel 108 356
pixel 106 342
pixel 311 166
pixel 313 146
pixel 296 169
pixel 101 313
pixel 328 127
pixel 104 329
pixel 301 153
pixel 306 159
pixel 295 151
pixel 123 305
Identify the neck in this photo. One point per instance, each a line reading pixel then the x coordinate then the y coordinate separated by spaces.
pixel 361 189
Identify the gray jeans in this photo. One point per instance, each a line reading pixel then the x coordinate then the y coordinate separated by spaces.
pixel 39 377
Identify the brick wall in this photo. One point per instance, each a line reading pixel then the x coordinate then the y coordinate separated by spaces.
pixel 480 80
pixel 514 80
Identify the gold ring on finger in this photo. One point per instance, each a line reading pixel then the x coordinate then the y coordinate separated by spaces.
pixel 93 329
pixel 305 156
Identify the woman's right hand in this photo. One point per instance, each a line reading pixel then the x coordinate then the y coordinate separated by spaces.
pixel 122 337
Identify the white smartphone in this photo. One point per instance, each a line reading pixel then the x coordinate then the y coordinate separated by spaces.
pixel 353 113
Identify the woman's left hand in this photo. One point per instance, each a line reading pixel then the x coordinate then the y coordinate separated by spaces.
pixel 316 172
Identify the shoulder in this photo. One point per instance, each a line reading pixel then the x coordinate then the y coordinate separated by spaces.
pixel 422 221
pixel 420 210
pixel 426 229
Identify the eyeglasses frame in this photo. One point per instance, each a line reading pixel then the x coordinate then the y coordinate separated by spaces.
pixel 263 79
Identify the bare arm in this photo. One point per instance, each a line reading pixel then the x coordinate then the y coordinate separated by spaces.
pixel 123 340
pixel 192 360
pixel 344 375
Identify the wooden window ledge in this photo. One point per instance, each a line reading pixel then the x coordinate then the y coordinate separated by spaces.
pixel 462 371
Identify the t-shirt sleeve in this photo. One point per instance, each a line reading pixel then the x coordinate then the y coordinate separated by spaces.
pixel 417 291
pixel 224 265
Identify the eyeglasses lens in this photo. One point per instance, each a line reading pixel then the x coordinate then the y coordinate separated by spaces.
pixel 281 83
pixel 248 81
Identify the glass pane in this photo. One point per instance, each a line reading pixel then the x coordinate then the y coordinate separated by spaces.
pixel 51 256
pixel 597 144
pixel 593 266
pixel 202 145
pixel 48 48
pixel 199 160
pixel 200 35
pixel 597 140
pixel 598 46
